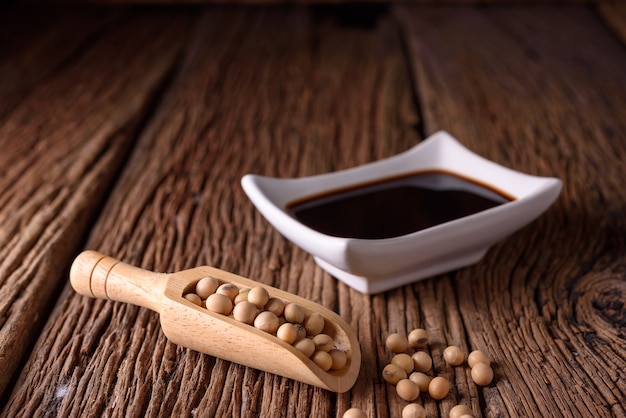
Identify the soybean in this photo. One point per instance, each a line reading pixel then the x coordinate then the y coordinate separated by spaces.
pixel 403 360
pixel 392 373
pixel 453 355
pixel 294 313
pixel 258 295
pixel 422 362
pixel 266 321
pixel 288 322
pixel 407 390
pixel 340 358
pixel 229 290
pixel 219 303
pixel 422 380
pixel 322 359
pixel 396 343
pixel 301 331
pixel 459 411
pixel 354 413
pixel 242 295
pixel 482 374
pixel 418 338
pixel 206 286
pixel 276 306
pixel 477 356
pixel 245 312
pixel 413 410
pixel 287 332
pixel 193 298
pixel 438 388
pixel 306 346
pixel 323 342
pixel 314 324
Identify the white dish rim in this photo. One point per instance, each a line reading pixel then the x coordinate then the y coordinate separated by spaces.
pixel 347 258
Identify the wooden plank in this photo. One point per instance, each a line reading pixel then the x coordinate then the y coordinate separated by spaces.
pixel 614 14
pixel 515 88
pixel 30 33
pixel 64 137
pixel 276 92
pixel 365 3
pixel 291 92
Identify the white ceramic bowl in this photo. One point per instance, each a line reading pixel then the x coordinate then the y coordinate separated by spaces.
pixel 376 265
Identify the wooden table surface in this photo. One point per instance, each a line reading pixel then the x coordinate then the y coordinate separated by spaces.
pixel 127 130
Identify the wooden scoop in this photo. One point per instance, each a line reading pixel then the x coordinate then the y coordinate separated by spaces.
pixel 184 323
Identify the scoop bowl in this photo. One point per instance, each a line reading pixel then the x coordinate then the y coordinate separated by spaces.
pixel 186 324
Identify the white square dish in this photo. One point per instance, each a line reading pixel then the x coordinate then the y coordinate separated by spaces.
pixel 376 265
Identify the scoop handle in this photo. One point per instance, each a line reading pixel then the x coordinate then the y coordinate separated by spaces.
pixel 99 276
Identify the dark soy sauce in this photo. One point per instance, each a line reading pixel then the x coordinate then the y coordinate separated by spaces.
pixel 395 206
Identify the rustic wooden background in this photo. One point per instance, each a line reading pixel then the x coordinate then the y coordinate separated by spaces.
pixel 334 2
pixel 127 129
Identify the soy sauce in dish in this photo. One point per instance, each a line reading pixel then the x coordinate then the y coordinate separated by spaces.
pixel 395 206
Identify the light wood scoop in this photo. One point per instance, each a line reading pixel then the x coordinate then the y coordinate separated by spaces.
pixel 184 323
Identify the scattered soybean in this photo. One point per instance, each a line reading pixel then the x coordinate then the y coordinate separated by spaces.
pixel 407 390
pixel 482 374
pixel 453 355
pixel 422 380
pixel 392 373
pixel 413 410
pixel 354 413
pixel 403 360
pixel 422 362
pixel 438 388
pixel 459 411
pixel 396 343
pixel 477 356
pixel 418 338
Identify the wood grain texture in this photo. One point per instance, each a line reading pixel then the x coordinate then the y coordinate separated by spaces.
pixel 64 137
pixel 292 92
pixel 39 41
pixel 544 303
pixel 326 2
pixel 614 14
pixel 275 92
